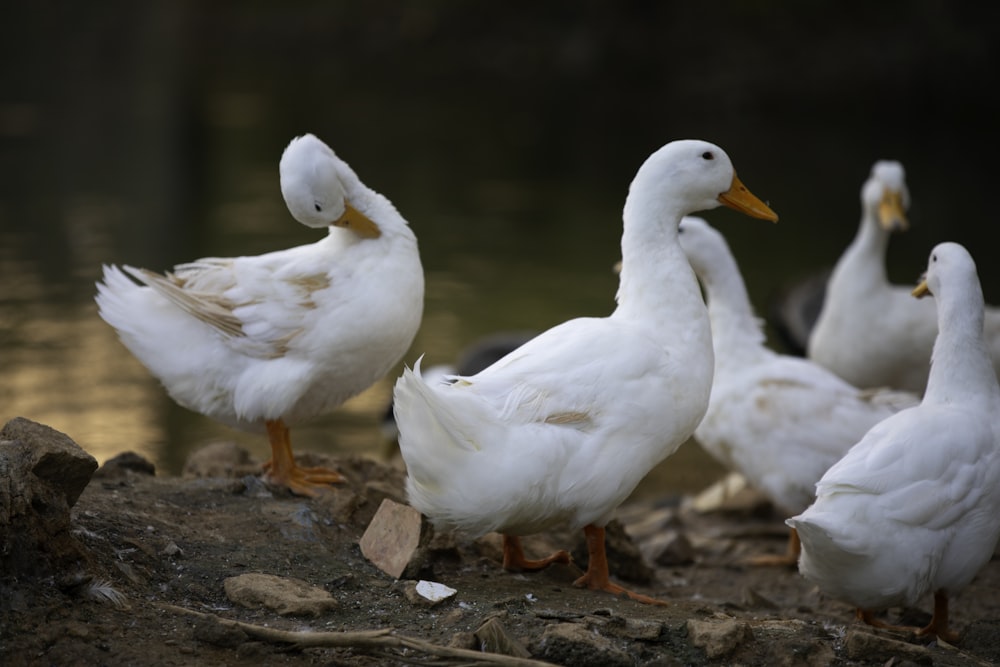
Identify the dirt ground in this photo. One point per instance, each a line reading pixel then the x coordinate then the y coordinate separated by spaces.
pixel 159 549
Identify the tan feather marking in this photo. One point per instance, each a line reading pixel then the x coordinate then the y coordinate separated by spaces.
pixel 207 307
pixel 281 344
pixel 568 418
pixel 310 284
pixel 313 283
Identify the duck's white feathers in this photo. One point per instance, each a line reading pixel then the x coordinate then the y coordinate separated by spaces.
pixel 563 428
pixel 914 507
pixel 783 424
pixel 887 528
pixel 577 455
pixel 871 332
pixel 779 420
pixel 289 334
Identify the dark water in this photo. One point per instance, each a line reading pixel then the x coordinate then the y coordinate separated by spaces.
pixel 506 133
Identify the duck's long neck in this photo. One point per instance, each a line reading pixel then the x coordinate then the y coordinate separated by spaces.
pixel 961 366
pixel 736 331
pixel 657 284
pixel 865 256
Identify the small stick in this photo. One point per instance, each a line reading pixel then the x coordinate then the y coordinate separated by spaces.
pixel 379 640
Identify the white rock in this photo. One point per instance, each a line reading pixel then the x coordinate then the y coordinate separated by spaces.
pixel 434 591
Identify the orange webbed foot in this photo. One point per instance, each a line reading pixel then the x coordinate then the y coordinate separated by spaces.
pixel 597 577
pixel 938 627
pixel 868 617
pixel 595 584
pixel 515 560
pixel 310 482
pixel 282 470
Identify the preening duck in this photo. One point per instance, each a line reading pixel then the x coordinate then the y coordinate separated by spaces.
pixel 780 421
pixel 264 342
pixel 561 430
pixel 914 507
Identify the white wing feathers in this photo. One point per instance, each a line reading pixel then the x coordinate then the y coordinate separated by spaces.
pixel 255 310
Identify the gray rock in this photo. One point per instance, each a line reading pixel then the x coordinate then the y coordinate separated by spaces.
pixel 793 643
pixel 52 456
pixel 718 638
pixel 42 474
pixel 575 644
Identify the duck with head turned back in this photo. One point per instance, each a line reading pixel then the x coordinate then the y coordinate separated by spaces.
pixel 561 430
pixel 264 342
pixel 914 508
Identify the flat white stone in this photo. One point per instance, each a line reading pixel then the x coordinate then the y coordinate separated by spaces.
pixel 434 591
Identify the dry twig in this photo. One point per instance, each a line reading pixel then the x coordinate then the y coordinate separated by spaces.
pixel 377 641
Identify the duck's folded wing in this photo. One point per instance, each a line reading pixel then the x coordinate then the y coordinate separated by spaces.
pixel 784 423
pixel 252 307
pixel 210 307
pixel 538 382
pixel 926 465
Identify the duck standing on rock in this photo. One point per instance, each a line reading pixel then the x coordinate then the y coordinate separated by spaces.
pixel 561 430
pixel 264 342
pixel 914 507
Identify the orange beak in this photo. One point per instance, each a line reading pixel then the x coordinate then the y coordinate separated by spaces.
pixel 739 198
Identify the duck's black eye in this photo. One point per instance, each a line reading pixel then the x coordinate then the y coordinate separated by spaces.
pixel 708 155
pixel 934 257
pixel 319 209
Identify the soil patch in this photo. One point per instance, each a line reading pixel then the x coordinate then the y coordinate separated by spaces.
pixel 147 584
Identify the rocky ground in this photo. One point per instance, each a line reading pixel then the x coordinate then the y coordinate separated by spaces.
pixel 123 567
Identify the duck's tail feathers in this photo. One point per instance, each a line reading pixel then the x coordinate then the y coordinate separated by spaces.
pixel 117 297
pixel 434 434
pixel 147 324
pixel 817 539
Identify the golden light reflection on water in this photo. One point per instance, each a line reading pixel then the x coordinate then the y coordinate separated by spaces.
pixel 74 378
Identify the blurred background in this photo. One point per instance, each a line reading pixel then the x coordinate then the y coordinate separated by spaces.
pixel 506 133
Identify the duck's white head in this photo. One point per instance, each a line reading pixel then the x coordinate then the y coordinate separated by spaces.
pixel 885 195
pixel 949 265
pixel 696 176
pixel 313 190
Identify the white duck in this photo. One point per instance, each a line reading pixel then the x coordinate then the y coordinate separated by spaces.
pixel 267 341
pixel 780 421
pixel 914 507
pixel 562 429
pixel 869 331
